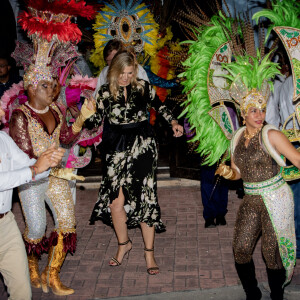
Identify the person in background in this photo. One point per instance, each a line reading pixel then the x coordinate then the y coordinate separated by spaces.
pixel 214 197
pixel 16 168
pixel 7 77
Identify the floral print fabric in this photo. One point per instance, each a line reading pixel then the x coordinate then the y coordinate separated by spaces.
pixel 134 168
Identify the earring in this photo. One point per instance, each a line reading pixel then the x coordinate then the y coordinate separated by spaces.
pixel 244 122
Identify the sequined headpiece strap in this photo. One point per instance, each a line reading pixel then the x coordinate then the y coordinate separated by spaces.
pixel 48 24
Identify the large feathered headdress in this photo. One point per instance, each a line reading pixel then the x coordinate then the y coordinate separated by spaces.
pixel 251 80
pixel 132 23
pixel 48 24
pixel 213 101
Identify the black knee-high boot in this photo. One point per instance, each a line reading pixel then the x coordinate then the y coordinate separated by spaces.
pixel 247 276
pixel 276 279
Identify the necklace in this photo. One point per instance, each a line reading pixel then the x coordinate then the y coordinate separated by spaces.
pixel 38 111
pixel 249 136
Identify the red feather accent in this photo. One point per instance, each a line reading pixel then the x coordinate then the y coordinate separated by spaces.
pixel 163 72
pixel 70 240
pixel 65 32
pixel 152 116
pixel 38 248
pixel 52 240
pixel 67 7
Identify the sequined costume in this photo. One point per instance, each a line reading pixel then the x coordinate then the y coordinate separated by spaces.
pixel 131 157
pixel 30 134
pixel 267 207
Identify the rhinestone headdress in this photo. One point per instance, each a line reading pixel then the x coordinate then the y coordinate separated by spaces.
pixel 249 98
pixel 48 24
pixel 251 79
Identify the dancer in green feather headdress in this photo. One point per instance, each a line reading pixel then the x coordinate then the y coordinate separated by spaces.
pixel 267 206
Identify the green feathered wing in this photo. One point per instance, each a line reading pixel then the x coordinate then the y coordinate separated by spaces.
pixel 283 13
pixel 213 143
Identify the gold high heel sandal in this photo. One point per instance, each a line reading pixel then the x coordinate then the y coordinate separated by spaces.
pixel 113 259
pixel 150 270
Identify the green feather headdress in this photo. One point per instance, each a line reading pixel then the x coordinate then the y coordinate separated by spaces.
pixel 251 76
pixel 283 13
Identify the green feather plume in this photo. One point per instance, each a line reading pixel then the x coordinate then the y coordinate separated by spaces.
pixel 212 141
pixel 283 13
pixel 252 71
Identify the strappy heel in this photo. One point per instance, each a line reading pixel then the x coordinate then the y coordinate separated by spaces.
pixel 113 259
pixel 149 270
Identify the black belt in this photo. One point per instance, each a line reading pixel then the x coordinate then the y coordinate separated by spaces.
pixel 121 137
pixel 2 215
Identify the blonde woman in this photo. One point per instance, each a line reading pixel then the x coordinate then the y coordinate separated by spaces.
pixel 127 196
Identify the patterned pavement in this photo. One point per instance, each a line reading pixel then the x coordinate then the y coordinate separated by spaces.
pixel 190 257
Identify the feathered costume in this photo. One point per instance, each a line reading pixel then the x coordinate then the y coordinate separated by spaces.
pixel 268 200
pixel 49 26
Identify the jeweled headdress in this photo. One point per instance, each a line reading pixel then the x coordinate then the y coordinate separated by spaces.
pixel 131 23
pixel 48 24
pixel 251 79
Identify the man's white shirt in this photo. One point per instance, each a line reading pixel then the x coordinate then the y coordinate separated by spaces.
pixel 14 170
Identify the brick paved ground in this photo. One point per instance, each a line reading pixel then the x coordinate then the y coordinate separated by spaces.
pixel 190 257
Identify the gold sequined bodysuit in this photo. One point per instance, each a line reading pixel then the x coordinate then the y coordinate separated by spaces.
pixel 255 165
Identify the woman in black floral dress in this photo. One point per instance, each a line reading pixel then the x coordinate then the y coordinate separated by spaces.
pixel 127 196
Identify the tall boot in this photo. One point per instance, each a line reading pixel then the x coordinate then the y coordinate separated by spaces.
pixel 50 276
pixel 276 279
pixel 33 264
pixel 247 276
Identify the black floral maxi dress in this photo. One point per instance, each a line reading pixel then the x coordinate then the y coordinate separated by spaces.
pixel 131 154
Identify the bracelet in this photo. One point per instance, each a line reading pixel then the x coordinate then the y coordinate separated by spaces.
pixel 33 172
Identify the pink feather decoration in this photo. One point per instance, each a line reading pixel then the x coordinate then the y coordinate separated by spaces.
pixel 84 83
pixel 72 95
pixel 16 91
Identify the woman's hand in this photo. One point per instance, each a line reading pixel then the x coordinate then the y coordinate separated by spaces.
pixel 223 170
pixel 227 172
pixel 88 108
pixel 91 103
pixel 177 129
pixel 66 173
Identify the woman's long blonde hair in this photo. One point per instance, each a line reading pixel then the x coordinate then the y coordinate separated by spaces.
pixel 121 60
